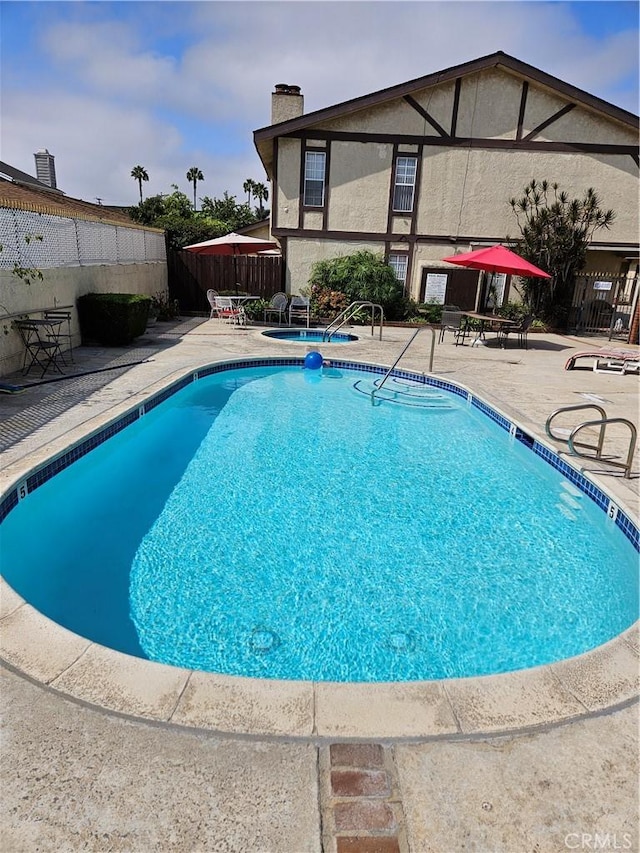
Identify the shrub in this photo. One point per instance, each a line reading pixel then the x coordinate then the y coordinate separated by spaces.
pixel 165 308
pixel 113 319
pixel 361 276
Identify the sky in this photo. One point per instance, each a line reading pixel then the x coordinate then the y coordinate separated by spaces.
pixel 106 86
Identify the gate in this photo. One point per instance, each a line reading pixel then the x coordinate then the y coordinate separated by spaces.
pixel 604 304
pixel 191 275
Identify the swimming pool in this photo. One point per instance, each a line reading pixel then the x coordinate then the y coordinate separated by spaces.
pixel 308 336
pixel 298 526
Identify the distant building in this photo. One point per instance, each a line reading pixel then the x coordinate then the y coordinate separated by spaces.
pixel 46 168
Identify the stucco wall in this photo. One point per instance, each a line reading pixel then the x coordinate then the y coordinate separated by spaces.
pixel 302 253
pixel 62 287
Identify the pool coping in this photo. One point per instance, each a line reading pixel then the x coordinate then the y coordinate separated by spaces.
pixel 30 643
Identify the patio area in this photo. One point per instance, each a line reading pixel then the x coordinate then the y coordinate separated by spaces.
pixel 78 777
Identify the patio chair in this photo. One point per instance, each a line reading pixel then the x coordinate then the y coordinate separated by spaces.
pixel 453 321
pixel 277 305
pixel 521 330
pixel 39 349
pixel 299 308
pixel 212 295
pixel 608 360
pixel 230 311
pixel 57 333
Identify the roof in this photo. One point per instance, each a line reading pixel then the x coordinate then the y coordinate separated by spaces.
pixel 23 178
pixel 492 60
pixel 13 195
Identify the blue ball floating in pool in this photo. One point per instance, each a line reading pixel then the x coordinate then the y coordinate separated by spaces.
pixel 313 360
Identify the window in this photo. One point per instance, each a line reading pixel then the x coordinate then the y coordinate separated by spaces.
pixel 405 183
pixel 398 264
pixel 314 168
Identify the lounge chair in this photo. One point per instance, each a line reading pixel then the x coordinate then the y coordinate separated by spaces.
pixel 277 305
pixel 607 360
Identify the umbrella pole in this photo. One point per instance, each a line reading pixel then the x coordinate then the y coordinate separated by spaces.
pixel 235 271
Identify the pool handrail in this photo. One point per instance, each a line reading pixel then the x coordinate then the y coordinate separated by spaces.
pixel 603 422
pixel 348 313
pixel 404 349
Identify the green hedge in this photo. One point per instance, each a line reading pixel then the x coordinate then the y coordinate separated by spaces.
pixel 113 319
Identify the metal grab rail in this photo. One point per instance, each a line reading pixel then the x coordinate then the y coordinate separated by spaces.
pixel 576 408
pixel 602 423
pixel 404 349
pixel 345 316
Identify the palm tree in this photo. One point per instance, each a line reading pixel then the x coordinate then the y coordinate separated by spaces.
pixel 139 173
pixel 262 194
pixel 249 187
pixel 193 176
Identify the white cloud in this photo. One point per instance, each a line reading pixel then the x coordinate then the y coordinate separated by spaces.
pixel 112 95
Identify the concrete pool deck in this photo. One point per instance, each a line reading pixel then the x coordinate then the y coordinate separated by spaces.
pixel 427 729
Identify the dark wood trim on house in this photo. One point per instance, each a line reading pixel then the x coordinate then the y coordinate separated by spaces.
pixel 536 130
pixel 425 115
pixel 413 213
pixel 302 208
pixel 471 142
pixel 523 107
pixel 274 185
pixel 410 239
pixel 456 106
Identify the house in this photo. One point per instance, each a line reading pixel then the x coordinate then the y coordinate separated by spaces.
pixel 427 168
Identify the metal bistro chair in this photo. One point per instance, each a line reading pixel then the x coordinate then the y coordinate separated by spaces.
pixel 277 305
pixel 57 334
pixel 521 330
pixel 300 309
pixel 41 349
pixel 453 321
pixel 212 296
pixel 230 311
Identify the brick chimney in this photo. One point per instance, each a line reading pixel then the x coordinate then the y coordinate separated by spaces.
pixel 287 102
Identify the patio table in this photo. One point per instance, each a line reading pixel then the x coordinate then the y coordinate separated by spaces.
pixel 485 321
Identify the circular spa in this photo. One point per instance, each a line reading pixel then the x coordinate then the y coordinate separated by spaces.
pixel 277 522
pixel 308 336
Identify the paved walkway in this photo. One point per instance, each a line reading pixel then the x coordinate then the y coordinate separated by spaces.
pixel 78 778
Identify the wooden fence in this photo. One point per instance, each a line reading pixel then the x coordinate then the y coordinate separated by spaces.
pixel 191 275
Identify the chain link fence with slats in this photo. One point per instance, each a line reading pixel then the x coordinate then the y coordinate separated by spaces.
pixel 45 241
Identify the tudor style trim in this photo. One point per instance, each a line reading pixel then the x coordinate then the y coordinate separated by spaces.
pixel 493 60
pixel 411 239
pixel 469 141
pixel 425 115
pixel 536 130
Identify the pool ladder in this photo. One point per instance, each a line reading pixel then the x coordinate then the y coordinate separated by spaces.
pixel 602 422
pixel 344 316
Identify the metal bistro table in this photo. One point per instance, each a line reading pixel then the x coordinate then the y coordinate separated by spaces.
pixel 41 344
pixel 485 321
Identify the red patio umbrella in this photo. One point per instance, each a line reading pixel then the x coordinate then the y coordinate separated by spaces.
pixel 231 244
pixel 497 259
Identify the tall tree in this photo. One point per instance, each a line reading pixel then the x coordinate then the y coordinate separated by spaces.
pixel 139 173
pixel 249 187
pixel 261 192
pixel 193 176
pixel 555 234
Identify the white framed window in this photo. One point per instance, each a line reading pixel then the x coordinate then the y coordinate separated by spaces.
pixel 398 264
pixel 404 184
pixel 314 177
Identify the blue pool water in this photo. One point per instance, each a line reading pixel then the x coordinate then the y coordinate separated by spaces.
pixel 309 336
pixel 273 523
